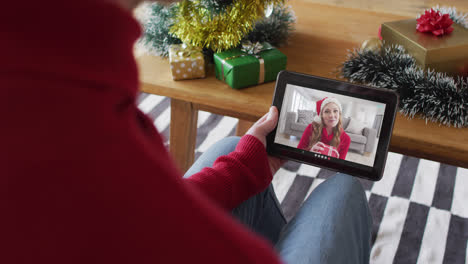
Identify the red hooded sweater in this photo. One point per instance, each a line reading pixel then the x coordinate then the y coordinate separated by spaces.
pixel 84 175
pixel 343 147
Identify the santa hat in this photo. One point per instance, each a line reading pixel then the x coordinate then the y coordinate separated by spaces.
pixel 324 102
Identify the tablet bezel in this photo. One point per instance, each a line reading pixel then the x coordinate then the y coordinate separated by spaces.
pixel 389 97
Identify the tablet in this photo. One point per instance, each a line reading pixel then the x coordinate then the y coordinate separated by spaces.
pixel 332 124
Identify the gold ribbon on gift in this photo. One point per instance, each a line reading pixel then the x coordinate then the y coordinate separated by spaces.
pixel 250 49
pixel 187 62
pixel 185 50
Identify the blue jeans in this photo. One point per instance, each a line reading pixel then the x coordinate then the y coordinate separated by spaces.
pixel 332 226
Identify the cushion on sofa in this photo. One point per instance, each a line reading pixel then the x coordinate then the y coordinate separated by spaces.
pixel 305 116
pixel 357 138
pixel 345 122
pixel 298 127
pixel 355 126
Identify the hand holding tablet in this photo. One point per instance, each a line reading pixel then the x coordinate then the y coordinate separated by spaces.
pixel 331 124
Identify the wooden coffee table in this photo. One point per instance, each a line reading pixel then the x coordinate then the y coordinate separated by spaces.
pixel 323 36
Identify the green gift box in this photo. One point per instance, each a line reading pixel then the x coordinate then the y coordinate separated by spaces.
pixel 447 53
pixel 252 64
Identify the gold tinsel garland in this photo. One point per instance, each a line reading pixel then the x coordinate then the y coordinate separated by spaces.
pixel 197 26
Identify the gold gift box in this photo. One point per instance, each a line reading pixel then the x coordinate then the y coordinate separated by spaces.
pixel 447 53
pixel 186 62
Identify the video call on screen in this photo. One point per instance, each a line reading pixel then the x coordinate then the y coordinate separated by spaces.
pixel 330 126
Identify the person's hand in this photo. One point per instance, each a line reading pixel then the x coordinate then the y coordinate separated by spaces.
pixel 317 147
pixel 261 129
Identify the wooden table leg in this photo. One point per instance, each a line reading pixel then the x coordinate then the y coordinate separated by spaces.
pixel 242 127
pixel 184 118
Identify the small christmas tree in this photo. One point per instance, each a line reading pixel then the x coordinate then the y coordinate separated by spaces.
pixel 217 25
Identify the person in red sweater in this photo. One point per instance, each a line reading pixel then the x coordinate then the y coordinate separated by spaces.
pixel 85 177
pixel 326 128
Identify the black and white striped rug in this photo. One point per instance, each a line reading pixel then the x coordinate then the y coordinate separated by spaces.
pixel 419 208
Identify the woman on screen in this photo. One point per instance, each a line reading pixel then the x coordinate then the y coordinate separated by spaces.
pixel 325 134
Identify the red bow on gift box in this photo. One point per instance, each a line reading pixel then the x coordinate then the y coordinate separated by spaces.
pixel 434 22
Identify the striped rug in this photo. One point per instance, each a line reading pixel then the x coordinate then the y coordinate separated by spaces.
pixel 419 208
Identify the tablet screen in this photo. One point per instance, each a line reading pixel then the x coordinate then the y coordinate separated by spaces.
pixel 330 126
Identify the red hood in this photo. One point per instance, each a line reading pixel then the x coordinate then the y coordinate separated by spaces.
pixel 31 42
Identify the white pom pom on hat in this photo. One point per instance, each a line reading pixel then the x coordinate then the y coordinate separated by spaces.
pixel 324 102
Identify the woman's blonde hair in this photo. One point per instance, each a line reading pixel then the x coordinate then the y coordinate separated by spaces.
pixel 317 133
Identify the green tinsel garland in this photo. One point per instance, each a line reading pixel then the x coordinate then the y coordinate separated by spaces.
pixel 156 37
pixel 436 96
pixel 459 18
pixel 275 29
